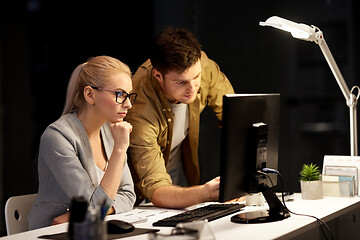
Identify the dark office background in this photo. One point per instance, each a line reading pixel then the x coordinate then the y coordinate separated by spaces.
pixel 41 42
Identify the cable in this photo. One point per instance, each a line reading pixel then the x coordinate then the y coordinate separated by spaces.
pixel 267 176
pixel 321 223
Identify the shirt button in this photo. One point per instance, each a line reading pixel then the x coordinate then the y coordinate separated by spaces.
pixel 169 109
pixel 169 119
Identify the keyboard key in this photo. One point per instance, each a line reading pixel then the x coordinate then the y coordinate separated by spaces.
pixel 209 212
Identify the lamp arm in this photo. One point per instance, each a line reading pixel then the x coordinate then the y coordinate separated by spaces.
pixel 351 98
pixel 320 40
pixel 353 124
pixel 314 34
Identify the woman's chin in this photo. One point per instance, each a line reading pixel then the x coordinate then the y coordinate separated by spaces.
pixel 117 120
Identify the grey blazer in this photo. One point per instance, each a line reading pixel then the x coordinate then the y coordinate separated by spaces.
pixel 66 169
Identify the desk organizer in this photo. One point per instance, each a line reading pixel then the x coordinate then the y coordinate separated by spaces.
pixel 338 186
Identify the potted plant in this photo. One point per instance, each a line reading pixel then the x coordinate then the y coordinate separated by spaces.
pixel 310 182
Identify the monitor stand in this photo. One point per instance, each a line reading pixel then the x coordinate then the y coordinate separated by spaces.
pixel 277 211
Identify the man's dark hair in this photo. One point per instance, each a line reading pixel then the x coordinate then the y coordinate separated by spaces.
pixel 175 49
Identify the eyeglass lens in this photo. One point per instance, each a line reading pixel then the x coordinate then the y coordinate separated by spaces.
pixel 122 96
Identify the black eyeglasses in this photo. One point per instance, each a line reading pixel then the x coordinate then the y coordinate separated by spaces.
pixel 121 96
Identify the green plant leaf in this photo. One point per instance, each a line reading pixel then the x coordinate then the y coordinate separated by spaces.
pixel 310 173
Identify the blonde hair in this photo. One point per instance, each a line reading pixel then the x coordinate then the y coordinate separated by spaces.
pixel 95 72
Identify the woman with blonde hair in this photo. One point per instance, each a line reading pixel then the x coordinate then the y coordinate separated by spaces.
pixel 83 153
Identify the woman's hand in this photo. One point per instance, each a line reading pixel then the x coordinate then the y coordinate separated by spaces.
pixel 112 177
pixel 121 134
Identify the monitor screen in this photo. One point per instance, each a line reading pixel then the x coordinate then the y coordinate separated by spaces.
pixel 249 141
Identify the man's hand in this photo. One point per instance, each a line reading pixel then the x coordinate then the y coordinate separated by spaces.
pixel 212 189
pixel 239 199
pixel 181 197
pixel 61 219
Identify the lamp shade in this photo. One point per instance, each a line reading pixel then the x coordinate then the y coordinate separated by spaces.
pixel 297 30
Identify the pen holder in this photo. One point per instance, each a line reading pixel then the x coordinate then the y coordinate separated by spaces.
pixel 90 230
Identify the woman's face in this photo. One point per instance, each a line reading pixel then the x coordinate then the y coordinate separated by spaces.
pixel 105 101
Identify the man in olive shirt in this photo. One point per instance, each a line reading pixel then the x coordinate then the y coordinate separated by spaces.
pixel 173 87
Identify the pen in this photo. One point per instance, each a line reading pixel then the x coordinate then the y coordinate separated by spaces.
pixel 104 209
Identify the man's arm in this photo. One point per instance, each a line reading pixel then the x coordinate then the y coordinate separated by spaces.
pixel 149 135
pixel 181 197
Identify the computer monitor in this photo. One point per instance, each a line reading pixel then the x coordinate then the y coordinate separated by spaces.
pixel 249 144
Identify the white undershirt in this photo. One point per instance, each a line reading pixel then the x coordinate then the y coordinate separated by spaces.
pixel 101 172
pixel 180 131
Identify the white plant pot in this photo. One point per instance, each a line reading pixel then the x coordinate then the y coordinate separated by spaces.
pixel 311 190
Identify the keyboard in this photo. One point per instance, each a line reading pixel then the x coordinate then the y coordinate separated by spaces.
pixel 209 212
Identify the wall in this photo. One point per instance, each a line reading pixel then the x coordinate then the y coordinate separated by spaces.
pixel 314 116
pixel 1 142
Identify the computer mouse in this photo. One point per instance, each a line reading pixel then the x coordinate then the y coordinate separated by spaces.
pixel 118 226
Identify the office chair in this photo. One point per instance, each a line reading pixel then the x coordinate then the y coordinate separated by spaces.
pixel 17 209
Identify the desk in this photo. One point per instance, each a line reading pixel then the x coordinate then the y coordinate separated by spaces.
pixel 341 214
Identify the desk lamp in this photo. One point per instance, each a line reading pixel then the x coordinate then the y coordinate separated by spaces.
pixel 314 34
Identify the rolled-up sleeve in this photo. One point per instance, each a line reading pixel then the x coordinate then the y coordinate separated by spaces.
pixel 146 155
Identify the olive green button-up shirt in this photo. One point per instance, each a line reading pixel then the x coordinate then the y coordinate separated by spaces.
pixel 152 119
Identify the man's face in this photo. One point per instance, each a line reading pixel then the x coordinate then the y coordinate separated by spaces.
pixel 181 87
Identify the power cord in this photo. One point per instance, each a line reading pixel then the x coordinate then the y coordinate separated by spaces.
pixel 321 223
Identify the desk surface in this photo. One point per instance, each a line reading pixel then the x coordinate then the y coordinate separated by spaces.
pixel 326 209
